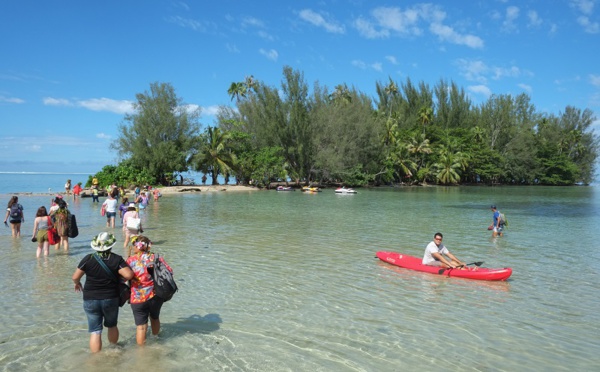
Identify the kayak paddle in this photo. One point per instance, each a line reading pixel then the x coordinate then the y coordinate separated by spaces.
pixel 478 263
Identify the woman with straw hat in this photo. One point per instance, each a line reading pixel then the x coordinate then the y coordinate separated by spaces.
pixel 100 292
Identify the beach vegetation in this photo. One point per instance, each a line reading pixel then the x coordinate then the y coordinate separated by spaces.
pixel 161 135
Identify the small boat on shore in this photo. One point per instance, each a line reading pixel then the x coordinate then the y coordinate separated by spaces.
pixel 284 188
pixel 344 190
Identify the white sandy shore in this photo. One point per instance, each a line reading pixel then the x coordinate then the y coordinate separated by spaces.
pixel 167 190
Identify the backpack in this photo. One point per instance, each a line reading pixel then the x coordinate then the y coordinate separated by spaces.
pixel 15 212
pixel 164 284
pixel 73 229
pixel 503 220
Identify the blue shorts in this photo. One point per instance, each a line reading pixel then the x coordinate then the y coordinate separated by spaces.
pixel 98 310
pixel 150 307
pixel 110 214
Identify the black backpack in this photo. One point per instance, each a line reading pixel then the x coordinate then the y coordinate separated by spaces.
pixel 164 283
pixel 73 229
pixel 16 212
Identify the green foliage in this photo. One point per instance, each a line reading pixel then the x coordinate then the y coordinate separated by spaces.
pixel 160 136
pixel 124 174
pixel 412 133
pixel 215 155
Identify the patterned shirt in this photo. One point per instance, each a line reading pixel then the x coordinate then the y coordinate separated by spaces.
pixel 142 285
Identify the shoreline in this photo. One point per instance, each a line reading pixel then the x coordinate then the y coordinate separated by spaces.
pixel 166 190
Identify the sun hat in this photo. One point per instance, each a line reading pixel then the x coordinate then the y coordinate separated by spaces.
pixel 103 242
pixel 131 207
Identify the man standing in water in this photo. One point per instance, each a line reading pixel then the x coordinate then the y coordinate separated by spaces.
pixel 496 224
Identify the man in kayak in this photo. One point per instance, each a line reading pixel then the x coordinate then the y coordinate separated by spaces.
pixel 436 254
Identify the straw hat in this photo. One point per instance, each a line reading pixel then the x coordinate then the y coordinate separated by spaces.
pixel 103 242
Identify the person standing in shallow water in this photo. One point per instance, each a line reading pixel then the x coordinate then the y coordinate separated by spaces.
pixel 144 302
pixel 41 224
pixel 14 214
pixel 101 291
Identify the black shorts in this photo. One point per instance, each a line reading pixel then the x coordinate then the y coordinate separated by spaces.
pixel 150 307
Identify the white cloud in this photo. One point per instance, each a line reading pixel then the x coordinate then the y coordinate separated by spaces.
pixel 107 104
pixel 480 89
pixel 534 19
pixel 377 66
pixel 392 60
pixel 525 87
pixel 473 70
pixel 210 110
pixel 232 48
pixel 254 22
pixel 446 33
pixel 192 24
pixel 595 80
pixel 11 100
pixel 103 136
pixel 512 13
pixel 270 54
pixel 584 6
pixel 94 104
pixel 411 22
pixel 318 20
pixel 49 101
pixel 366 29
pixel 588 26
pixel 479 71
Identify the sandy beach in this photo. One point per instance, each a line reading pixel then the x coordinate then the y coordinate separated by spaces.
pixel 165 190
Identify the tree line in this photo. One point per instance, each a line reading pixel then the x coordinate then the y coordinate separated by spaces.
pixel 410 134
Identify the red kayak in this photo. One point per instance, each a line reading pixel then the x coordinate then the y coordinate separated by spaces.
pixel 414 263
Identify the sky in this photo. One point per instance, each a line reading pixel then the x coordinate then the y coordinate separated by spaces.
pixel 70 70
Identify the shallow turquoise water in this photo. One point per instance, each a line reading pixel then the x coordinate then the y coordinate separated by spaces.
pixel 288 282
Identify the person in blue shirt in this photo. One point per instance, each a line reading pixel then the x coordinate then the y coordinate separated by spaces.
pixel 496 225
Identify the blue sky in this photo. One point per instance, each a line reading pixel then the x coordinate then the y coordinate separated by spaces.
pixel 70 70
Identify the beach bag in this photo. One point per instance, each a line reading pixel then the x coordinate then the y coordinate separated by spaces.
pixel 123 288
pixel 164 283
pixel 73 229
pixel 103 210
pixel 134 223
pixel 16 212
pixel 53 237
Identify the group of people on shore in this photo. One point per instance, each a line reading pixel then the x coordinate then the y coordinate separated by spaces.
pixel 103 270
pixel 437 254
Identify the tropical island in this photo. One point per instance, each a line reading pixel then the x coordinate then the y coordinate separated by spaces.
pixel 409 134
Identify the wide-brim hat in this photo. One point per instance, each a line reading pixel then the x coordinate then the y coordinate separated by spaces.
pixel 131 207
pixel 103 242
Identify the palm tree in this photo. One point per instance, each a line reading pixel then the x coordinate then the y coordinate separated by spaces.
pixel 400 158
pixel 425 116
pixel 449 166
pixel 237 90
pixel 392 91
pixel 215 156
pixel 341 94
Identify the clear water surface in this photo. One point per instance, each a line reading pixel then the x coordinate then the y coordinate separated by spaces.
pixel 288 282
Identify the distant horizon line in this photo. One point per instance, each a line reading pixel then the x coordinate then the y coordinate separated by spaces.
pixel 30 172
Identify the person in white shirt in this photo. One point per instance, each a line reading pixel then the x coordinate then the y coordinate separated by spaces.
pixel 436 254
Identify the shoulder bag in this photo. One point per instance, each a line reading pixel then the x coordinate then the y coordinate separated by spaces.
pixel 124 289
pixel 53 237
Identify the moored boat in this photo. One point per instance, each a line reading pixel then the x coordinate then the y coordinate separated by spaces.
pixel 310 189
pixel 284 188
pixel 344 190
pixel 414 263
